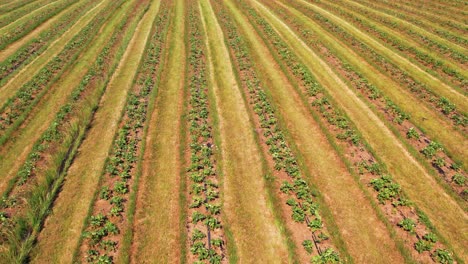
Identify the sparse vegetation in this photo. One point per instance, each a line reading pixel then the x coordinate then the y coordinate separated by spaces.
pixel 226 131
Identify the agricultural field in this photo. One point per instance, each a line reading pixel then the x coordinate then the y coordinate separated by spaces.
pixel 233 131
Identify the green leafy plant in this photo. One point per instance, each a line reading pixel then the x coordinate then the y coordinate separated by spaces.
pixel 431 237
pixel 412 133
pixel 439 162
pixel 121 187
pixel 308 246
pixel 407 224
pixel 422 245
pixel 443 256
pixel 459 179
pixel 327 256
pixel 197 235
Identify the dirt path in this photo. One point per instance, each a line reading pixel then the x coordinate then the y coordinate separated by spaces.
pixel 13 47
pixel 29 71
pixel 417 73
pixel 156 224
pixel 328 172
pixel 434 123
pixel 15 151
pixel 247 211
pixel 59 238
pixel 446 214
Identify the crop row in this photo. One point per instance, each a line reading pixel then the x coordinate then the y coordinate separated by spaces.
pixel 412 14
pixel 442 104
pixel 31 23
pixel 449 170
pixel 426 25
pixel 104 228
pixel 7 7
pixel 19 12
pixel 386 191
pixel 295 191
pixel 38 45
pixel 17 108
pixel 39 179
pixel 205 206
pixel 445 9
pixel 420 56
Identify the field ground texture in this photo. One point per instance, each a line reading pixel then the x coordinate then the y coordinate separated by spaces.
pixel 233 131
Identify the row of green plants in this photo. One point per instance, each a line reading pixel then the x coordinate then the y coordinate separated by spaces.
pixel 419 56
pixel 55 149
pixel 7 7
pixel 19 12
pixel 57 130
pixel 417 16
pixel 207 241
pixel 36 46
pixel 422 38
pixel 110 209
pixel 449 170
pixel 386 191
pixel 458 118
pixel 433 152
pixel 30 24
pixel 16 109
pixel 437 6
pixel 296 192
pixel 415 19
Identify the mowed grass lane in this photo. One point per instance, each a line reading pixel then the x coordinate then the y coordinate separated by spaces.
pixel 447 216
pixel 251 221
pixel 350 4
pixel 448 9
pixel 21 27
pixel 15 46
pixel 60 236
pixel 416 15
pixel 156 225
pixel 434 84
pixel 19 12
pixel 10 88
pixel 434 123
pixel 414 45
pixel 328 172
pixel 19 144
pixel 8 6
pixel 419 21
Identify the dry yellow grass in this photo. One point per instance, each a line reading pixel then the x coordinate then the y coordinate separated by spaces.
pixel 10 88
pixel 21 142
pixel 17 23
pixel 13 47
pixel 435 84
pixel 327 170
pixel 251 221
pixel 434 124
pixel 58 240
pixel 447 216
pixel 413 27
pixel 156 237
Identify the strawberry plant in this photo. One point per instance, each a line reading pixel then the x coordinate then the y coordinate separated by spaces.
pixel 407 224
pixel 412 133
pixel 299 195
